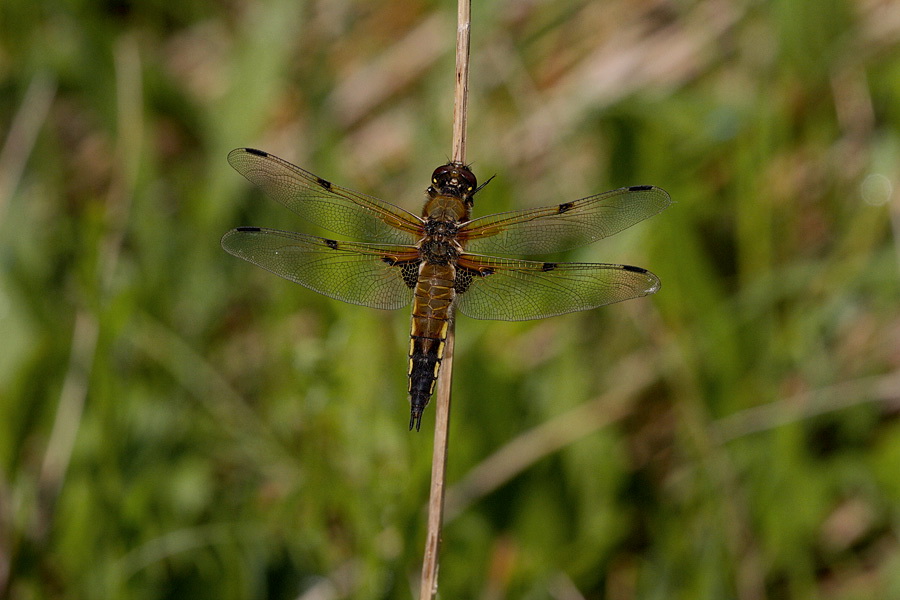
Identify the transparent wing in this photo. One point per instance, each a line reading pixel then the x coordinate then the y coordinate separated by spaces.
pixel 379 276
pixel 519 290
pixel 325 204
pixel 564 226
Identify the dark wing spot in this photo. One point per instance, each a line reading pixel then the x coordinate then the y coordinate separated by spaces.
pixel 634 269
pixel 410 274
pixel 248 229
pixel 256 152
pixel 331 244
pixel 389 260
pixel 640 188
pixel 548 266
pixel 463 279
pixel 324 183
pixel 565 207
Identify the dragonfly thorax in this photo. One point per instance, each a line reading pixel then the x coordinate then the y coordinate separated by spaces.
pixel 441 229
pixel 439 251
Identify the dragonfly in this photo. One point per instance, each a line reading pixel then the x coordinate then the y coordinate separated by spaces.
pixel 442 261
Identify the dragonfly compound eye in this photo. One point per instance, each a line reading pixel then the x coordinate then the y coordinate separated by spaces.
pixel 467 178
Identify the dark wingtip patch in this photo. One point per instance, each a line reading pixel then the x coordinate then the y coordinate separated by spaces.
pixel 565 207
pixel 634 269
pixel 640 188
pixel 324 183
pixel 331 244
pixel 548 266
pixel 250 229
pixel 256 152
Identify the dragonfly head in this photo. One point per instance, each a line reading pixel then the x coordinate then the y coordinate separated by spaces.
pixel 454 179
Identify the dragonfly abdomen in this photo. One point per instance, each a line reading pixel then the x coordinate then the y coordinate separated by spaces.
pixel 430 320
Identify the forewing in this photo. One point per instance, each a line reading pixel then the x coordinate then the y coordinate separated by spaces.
pixel 564 226
pixel 375 275
pixel 325 204
pixel 519 290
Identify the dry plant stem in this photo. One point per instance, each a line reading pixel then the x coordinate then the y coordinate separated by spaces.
pixel 460 98
pixel 22 135
pixel 430 562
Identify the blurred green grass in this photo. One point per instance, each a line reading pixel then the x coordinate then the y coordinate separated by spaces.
pixel 176 423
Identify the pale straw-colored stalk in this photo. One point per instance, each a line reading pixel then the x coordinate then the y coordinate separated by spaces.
pixel 430 562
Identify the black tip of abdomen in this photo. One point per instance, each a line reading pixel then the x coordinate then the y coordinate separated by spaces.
pixel 415 418
pixel 417 403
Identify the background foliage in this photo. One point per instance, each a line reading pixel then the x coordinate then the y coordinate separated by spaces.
pixel 175 423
